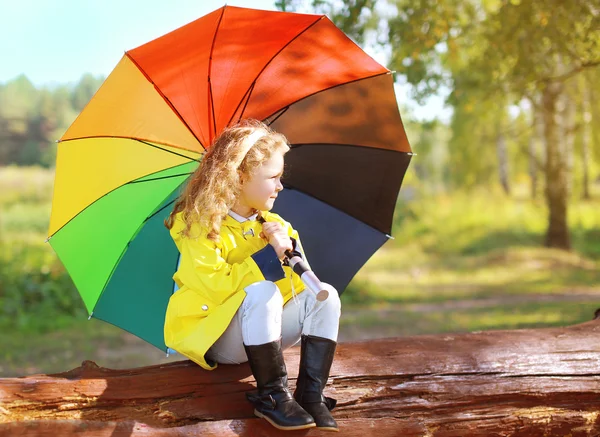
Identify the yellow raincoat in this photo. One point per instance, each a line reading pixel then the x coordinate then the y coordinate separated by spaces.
pixel 212 276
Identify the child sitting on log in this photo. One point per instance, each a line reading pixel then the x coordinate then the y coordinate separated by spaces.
pixel 238 300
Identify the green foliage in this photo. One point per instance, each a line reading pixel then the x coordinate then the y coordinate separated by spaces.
pixel 35 289
pixel 356 18
pixel 36 293
pixel 493 56
pixel 28 185
pixel 66 344
pixel 535 41
pixel 475 128
pixel 418 319
pixel 83 91
pixel 431 165
pixel 492 45
pixel 477 245
pixel 32 119
pixel 467 222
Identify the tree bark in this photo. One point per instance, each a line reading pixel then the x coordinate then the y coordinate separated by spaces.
pixel 532 382
pixel 586 138
pixel 557 234
pixel 502 154
pixel 567 128
pixel 535 152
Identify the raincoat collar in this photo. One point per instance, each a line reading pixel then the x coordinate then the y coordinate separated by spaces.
pixel 240 218
pixel 232 221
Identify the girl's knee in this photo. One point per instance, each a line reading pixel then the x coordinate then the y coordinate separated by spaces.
pixel 263 293
pixel 333 302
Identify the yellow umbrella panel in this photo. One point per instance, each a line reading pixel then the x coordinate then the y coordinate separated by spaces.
pixel 119 165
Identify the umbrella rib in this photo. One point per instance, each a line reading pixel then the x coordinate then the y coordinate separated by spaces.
pixel 281 112
pixel 104 195
pixel 381 149
pixel 157 179
pixel 124 329
pixel 251 88
pixel 210 58
pixel 168 151
pixel 165 98
pixel 330 88
pixel 135 233
pixel 166 206
pixel 312 196
pixel 91 137
pixel 286 185
pixel 249 93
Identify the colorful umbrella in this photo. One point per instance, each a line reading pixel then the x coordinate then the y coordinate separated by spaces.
pixel 123 161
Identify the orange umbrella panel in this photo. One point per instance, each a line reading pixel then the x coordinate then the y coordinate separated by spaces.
pixel 242 63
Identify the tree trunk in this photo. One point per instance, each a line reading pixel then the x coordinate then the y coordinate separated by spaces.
pixel 532 382
pixel 535 152
pixel 557 234
pixel 502 154
pixel 567 137
pixel 586 138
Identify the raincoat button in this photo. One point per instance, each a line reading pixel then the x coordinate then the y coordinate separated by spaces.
pixel 205 307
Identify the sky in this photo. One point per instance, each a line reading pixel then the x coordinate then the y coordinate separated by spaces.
pixel 57 41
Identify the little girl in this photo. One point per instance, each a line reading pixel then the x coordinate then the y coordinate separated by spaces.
pixel 238 300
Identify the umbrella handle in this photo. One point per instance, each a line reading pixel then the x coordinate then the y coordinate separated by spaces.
pixel 301 268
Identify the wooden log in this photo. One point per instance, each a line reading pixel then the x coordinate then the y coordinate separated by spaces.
pixel 532 382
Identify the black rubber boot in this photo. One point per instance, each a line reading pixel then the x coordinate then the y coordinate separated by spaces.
pixel 316 357
pixel 274 402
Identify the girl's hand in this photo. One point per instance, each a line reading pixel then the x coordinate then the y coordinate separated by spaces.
pixel 277 237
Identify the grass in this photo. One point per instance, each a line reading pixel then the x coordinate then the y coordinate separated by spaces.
pixel 485 250
pixel 65 348
pixel 501 272
pixel 394 321
pixel 473 245
pixel 465 262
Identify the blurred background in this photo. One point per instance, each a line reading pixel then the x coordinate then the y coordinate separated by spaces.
pixel 497 225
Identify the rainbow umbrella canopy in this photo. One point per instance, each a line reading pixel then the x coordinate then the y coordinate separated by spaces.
pixel 124 160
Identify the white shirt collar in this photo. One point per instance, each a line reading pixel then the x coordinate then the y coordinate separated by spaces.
pixel 240 218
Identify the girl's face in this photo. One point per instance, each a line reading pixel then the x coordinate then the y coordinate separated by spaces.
pixel 260 190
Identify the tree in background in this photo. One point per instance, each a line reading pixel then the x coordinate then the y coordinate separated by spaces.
pixel 521 75
pixel 493 55
pixel 32 119
pixel 18 102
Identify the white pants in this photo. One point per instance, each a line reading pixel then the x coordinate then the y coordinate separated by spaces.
pixel 262 318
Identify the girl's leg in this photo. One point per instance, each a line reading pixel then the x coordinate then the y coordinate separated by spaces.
pixel 257 321
pixel 320 323
pixel 306 315
pixel 263 320
pixel 254 335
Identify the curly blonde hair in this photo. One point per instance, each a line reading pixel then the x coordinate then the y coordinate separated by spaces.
pixel 213 188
